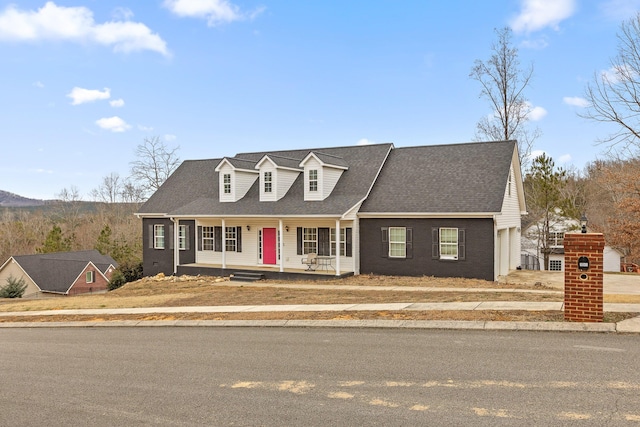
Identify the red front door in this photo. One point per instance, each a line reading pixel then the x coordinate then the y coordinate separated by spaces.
pixel 269 243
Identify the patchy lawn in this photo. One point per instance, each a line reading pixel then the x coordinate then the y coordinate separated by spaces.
pixel 183 291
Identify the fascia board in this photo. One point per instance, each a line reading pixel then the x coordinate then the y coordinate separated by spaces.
pixel 427 214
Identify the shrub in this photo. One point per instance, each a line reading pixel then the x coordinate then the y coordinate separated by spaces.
pixel 117 280
pixel 14 288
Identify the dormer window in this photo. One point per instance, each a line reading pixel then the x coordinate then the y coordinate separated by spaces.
pixel 268 182
pixel 227 183
pixel 313 180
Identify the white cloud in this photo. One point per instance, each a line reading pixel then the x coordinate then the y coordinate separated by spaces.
pixel 538 14
pixel 537 113
pixel 575 101
pixel 116 103
pixel 82 96
pixel 76 24
pixel 170 137
pixel 145 128
pixel 114 124
pixel 38 84
pixel 364 141
pixel 565 158
pixel 618 10
pixel 214 11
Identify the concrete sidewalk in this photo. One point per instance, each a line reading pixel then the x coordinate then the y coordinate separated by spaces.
pixel 627 326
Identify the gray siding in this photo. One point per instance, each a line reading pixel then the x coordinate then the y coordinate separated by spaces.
pixel 478 262
pixel 157 260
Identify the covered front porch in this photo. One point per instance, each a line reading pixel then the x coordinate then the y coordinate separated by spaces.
pixel 273 247
pixel 269 272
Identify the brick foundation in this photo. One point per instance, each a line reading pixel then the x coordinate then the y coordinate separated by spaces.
pixel 583 289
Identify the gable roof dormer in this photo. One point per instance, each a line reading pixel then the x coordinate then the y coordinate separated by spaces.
pixel 321 174
pixel 277 175
pixel 236 176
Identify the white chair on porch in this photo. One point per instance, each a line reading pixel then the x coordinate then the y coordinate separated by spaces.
pixel 312 261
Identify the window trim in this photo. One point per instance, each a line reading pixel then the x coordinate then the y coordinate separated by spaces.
pixel 398 244
pixel 343 241
pixel 231 239
pixel 313 180
pixel 309 240
pixel 90 276
pixel 267 182
pixel 182 237
pixel 448 244
pixel 208 238
pixel 158 236
pixel 226 183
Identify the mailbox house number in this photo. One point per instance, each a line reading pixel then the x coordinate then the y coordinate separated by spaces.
pixel 583 263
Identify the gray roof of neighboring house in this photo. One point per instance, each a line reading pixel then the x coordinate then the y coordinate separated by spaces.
pixel 193 189
pixel 457 178
pixel 56 272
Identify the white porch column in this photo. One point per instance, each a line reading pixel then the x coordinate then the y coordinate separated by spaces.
pixel 355 246
pixel 224 244
pixel 337 247
pixel 281 244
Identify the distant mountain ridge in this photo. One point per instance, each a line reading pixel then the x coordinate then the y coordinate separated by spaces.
pixel 11 200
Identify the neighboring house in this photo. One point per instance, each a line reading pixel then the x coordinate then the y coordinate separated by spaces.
pixel 60 273
pixel 442 210
pixel 532 252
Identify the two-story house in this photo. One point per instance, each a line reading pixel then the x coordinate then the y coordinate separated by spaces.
pixel 441 210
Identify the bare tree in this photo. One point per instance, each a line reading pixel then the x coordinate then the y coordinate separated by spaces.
pixel 503 84
pixel 109 190
pixel 614 95
pixel 155 162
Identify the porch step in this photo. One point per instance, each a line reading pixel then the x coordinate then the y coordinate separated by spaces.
pixel 244 276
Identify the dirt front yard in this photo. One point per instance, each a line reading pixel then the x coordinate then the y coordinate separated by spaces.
pixel 181 291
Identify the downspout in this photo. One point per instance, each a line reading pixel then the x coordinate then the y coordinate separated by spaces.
pixel 176 250
pixel 338 247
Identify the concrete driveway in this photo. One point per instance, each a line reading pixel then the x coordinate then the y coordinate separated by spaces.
pixel 614 283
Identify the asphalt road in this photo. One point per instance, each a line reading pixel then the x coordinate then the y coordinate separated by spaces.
pixel 315 377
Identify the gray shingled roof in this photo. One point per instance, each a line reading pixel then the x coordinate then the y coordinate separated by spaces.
pixel 328 159
pixel 285 162
pixel 193 188
pixel 457 178
pixel 56 272
pixel 241 163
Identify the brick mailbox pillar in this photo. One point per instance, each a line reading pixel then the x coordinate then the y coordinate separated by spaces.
pixel 583 277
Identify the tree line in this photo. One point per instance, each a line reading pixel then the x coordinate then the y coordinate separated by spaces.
pixel 107 224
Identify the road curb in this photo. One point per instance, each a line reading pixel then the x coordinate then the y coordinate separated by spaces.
pixel 397 324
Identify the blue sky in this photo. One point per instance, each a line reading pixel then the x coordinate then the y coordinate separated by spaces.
pixel 85 81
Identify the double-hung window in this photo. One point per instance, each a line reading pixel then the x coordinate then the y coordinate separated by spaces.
pixel 397 242
pixel 226 181
pixel 309 240
pixel 182 237
pixel 313 180
pixel 343 242
pixel 230 238
pixel 158 236
pixel 208 238
pixel 449 243
pixel 268 182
